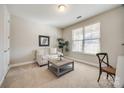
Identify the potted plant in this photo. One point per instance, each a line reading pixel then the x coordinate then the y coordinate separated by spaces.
pixel 63 44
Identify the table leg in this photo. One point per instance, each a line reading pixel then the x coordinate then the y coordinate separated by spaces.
pixel 72 65
pixel 58 71
pixel 48 64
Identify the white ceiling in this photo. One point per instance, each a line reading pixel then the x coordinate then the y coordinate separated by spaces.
pixel 49 13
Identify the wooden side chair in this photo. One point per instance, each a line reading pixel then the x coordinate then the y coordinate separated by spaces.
pixel 103 59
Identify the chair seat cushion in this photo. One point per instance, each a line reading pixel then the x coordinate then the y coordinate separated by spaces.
pixel 109 70
pixel 53 56
pixel 45 57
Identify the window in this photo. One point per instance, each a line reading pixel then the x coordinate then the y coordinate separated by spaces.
pixel 77 40
pixel 92 39
pixel 87 41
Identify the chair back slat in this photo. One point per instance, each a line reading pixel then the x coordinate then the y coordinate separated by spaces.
pixel 103 58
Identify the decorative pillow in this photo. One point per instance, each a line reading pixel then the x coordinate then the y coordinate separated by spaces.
pixel 53 50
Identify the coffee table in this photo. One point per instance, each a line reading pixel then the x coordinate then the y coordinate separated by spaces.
pixel 60 67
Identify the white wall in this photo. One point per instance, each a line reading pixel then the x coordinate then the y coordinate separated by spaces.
pixel 24 38
pixel 112 35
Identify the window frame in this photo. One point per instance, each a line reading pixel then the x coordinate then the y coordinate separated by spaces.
pixel 83 41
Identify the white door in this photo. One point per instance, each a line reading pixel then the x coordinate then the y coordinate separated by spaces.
pixel 1 66
pixel 119 79
pixel 1 43
pixel 6 35
pixel 4 41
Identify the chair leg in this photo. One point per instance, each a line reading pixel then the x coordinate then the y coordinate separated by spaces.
pixel 107 76
pixel 99 76
pixel 112 77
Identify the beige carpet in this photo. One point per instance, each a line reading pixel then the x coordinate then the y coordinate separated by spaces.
pixel 33 76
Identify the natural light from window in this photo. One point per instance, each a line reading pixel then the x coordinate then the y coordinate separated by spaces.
pixel 77 37
pixel 88 40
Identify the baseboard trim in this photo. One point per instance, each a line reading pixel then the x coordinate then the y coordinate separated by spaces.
pixel 20 64
pixel 83 61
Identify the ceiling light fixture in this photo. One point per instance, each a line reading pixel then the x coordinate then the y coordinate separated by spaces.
pixel 61 7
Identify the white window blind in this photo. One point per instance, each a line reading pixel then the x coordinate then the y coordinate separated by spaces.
pixel 77 40
pixel 92 39
pixel 87 41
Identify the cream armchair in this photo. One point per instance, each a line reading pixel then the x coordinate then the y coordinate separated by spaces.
pixel 43 54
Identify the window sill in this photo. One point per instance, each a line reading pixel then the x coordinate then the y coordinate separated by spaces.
pixel 89 54
pixel 84 53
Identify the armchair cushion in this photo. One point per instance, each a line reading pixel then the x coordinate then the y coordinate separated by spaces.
pixel 53 50
pixel 53 56
pixel 43 54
